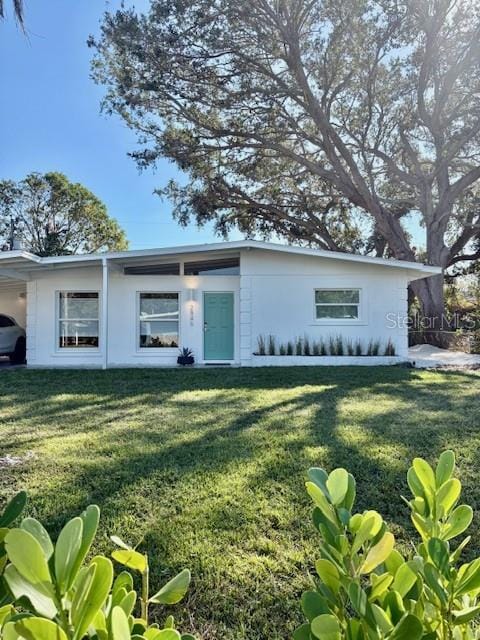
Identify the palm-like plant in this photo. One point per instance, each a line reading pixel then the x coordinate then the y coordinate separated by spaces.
pixel 17 8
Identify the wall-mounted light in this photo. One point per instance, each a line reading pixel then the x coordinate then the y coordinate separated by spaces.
pixel 192 296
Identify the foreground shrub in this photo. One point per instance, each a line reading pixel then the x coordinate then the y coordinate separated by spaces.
pixel 367 589
pixel 55 594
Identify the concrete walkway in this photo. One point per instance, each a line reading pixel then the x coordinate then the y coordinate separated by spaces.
pixel 424 356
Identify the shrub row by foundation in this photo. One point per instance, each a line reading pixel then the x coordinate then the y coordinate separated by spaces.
pixel 331 346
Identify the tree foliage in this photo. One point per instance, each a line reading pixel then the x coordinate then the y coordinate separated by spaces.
pixel 310 119
pixel 54 216
pixel 17 10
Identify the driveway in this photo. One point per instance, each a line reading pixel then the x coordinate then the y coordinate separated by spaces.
pixel 424 356
pixel 6 366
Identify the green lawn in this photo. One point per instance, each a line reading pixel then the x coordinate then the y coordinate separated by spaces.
pixel 207 467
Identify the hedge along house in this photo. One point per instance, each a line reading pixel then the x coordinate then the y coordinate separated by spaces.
pixel 136 308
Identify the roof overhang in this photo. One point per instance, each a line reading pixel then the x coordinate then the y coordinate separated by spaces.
pixel 21 265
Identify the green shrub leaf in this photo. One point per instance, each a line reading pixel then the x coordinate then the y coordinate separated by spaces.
pixel 13 509
pixel 119 624
pixel 131 559
pixel 40 595
pixel 26 554
pixel 465 615
pixel 409 628
pixel 448 495
pixel 337 485
pixel 445 467
pixel 174 590
pixel 326 627
pixel 378 553
pixel 438 552
pixel 380 585
pixel 120 543
pixel 425 475
pixel 92 590
pixel 90 518
pixel 458 521
pixel 321 501
pixel 433 580
pixel 405 578
pixel 302 633
pixel 40 534
pixel 66 551
pixel 469 578
pixel 414 483
pixel 39 629
pixel 349 500
pixel 319 477
pixel 382 620
pixel 328 574
pixel 313 605
pixel 168 634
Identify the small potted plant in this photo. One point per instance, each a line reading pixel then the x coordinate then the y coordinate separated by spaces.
pixel 186 357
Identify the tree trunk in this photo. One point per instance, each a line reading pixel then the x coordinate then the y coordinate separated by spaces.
pixel 434 322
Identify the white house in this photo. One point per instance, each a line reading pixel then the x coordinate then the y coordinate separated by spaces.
pixel 136 308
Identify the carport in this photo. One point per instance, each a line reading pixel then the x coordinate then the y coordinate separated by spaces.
pixel 14 275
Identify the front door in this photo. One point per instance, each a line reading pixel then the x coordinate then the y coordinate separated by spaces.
pixel 218 326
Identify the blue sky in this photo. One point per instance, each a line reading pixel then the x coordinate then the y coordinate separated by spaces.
pixel 50 120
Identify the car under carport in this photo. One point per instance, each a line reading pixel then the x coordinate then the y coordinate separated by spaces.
pixel 13 294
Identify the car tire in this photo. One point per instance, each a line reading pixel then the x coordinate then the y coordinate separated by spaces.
pixel 18 356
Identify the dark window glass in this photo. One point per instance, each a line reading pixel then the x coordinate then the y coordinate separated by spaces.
pixel 225 267
pixel 6 322
pixel 153 270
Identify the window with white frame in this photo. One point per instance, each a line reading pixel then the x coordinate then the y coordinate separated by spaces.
pixel 337 304
pixel 78 320
pixel 158 320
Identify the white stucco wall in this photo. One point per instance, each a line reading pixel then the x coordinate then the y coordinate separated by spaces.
pixel 273 295
pixel 123 323
pixel 277 297
pixel 13 302
pixel 42 330
pixel 42 333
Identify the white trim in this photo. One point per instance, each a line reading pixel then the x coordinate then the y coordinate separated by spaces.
pixel 104 312
pixel 318 361
pixel 13 274
pixel 421 269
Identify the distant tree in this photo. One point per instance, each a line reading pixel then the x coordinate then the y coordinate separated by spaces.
pixel 17 9
pixel 309 119
pixel 54 216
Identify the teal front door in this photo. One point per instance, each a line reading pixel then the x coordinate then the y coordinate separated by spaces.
pixel 218 326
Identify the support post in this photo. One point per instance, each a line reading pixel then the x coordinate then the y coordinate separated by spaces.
pixel 105 312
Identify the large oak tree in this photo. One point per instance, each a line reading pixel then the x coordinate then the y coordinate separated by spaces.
pixel 17 10
pixel 54 216
pixel 310 119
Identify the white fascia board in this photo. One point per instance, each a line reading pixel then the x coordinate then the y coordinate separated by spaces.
pixel 15 255
pixel 14 274
pixel 420 270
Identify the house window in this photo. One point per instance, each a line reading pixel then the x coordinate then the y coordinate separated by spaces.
pixel 337 304
pixel 159 320
pixel 224 267
pixel 78 323
pixel 171 269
